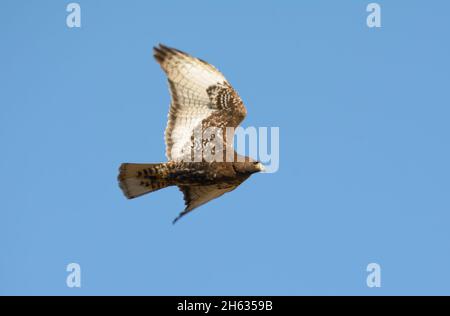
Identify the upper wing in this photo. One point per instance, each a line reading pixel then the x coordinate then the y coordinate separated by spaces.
pixel 194 196
pixel 201 96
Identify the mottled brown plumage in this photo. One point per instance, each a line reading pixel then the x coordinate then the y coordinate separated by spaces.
pixel 201 98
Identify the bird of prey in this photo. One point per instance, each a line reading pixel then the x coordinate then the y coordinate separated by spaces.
pixel 201 98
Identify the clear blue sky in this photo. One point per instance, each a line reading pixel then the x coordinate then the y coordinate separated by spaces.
pixel 364 149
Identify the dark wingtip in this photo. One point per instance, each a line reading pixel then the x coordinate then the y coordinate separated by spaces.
pixel 177 219
pixel 159 54
pixel 180 216
pixel 164 47
pixel 171 50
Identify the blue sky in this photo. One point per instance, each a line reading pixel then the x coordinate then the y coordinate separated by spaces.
pixel 364 149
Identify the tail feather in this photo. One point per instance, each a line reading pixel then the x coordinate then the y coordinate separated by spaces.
pixel 139 179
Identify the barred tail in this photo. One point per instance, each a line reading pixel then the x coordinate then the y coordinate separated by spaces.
pixel 137 179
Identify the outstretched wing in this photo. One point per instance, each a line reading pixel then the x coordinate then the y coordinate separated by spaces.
pixel 201 97
pixel 194 196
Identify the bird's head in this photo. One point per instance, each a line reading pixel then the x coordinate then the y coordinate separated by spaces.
pixel 248 167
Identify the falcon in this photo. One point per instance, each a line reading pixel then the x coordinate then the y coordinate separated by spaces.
pixel 201 100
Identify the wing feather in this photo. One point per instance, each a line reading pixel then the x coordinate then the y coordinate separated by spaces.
pixel 195 196
pixel 200 97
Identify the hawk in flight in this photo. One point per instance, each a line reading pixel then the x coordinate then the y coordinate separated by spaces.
pixel 201 99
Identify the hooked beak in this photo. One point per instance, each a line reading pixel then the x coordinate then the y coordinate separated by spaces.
pixel 260 167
